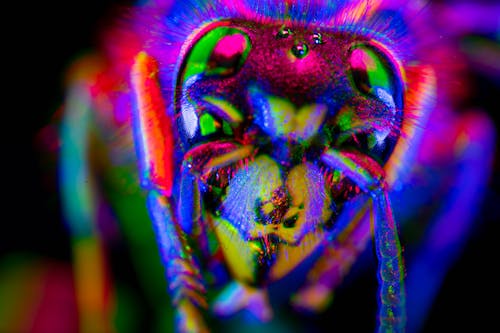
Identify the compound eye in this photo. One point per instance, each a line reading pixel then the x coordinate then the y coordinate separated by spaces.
pixel 221 52
pixel 374 74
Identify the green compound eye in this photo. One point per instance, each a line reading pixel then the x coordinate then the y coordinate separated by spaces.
pixel 373 74
pixel 222 51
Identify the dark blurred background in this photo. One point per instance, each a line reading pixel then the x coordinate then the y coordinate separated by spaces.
pixel 40 48
pixel 43 40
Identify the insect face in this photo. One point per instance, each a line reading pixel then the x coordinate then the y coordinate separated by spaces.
pixel 260 108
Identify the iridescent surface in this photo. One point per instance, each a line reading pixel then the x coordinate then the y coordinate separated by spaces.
pixel 274 193
pixel 264 155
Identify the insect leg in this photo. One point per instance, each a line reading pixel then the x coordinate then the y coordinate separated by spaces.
pixel 392 302
pixel 80 202
pixel 183 275
pixel 368 176
pixel 154 141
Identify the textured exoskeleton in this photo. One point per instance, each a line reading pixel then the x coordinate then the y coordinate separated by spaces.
pixel 271 142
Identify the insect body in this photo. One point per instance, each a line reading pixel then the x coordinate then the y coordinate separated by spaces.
pixel 270 139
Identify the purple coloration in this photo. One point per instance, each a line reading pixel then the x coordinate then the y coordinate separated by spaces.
pixel 290 134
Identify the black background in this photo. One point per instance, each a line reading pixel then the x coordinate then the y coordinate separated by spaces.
pixel 43 40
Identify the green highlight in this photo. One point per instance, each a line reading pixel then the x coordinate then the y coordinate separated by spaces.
pixel 372 141
pixel 336 175
pixel 371 70
pixel 208 124
pixel 377 73
pixel 226 128
pixel 345 120
pixel 199 59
